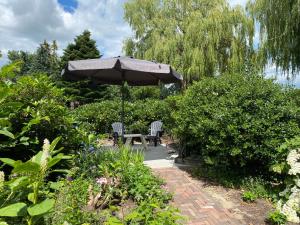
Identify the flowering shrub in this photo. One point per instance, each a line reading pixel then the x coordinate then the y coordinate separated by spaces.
pixel 289 204
pixel 100 191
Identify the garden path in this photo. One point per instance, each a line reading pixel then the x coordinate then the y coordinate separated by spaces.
pixel 196 204
pixel 199 206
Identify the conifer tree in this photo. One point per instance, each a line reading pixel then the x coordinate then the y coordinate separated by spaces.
pixel 46 59
pixel 84 47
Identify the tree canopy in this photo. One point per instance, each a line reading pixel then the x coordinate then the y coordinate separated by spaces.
pixel 83 48
pixel 279 31
pixel 198 37
pixel 43 60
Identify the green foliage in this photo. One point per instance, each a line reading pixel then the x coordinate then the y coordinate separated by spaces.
pixel 84 47
pixel 43 60
pixel 101 185
pixel 249 196
pixel 279 31
pixel 199 38
pixel 276 218
pixel 149 213
pixel 260 187
pixel 32 109
pixel 98 117
pixel 26 199
pixel 71 201
pixel 236 121
pixel 281 166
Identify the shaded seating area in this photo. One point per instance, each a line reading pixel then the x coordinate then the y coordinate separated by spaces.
pixel 155 133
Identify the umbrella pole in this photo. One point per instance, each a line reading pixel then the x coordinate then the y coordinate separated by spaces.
pixel 122 112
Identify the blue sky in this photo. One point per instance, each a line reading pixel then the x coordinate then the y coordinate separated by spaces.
pixel 26 23
pixel 69 5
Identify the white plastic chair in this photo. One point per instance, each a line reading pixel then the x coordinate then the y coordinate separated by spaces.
pixel 117 131
pixel 155 131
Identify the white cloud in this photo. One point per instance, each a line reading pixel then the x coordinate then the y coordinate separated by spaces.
pixel 26 23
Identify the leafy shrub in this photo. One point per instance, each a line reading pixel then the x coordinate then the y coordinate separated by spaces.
pixel 98 117
pixel 249 196
pixel 236 121
pixel 27 199
pixel 276 218
pixel 289 168
pixel 103 181
pixel 37 103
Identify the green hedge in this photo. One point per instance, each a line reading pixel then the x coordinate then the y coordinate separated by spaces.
pixel 34 109
pixel 236 120
pixel 98 117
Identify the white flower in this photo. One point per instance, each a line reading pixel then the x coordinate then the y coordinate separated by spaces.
pixel 293 161
pixel 2 177
pixel 45 154
pixel 292 205
pixel 297 182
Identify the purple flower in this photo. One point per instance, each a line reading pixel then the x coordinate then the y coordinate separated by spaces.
pixel 69 178
pixel 101 181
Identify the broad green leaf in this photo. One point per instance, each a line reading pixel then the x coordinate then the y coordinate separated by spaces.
pixel 13 210
pixel 9 161
pixel 54 161
pixel 41 208
pixel 7 133
pixel 54 143
pixel 3 223
pixel 27 167
pixel 60 171
pixel 30 197
pixel 37 158
pixel 18 183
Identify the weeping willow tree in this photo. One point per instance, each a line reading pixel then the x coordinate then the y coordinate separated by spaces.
pixel 279 31
pixel 198 37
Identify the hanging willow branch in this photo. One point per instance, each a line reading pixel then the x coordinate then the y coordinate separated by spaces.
pixel 198 37
pixel 279 31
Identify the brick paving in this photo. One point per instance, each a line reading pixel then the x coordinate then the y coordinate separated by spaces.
pixel 194 202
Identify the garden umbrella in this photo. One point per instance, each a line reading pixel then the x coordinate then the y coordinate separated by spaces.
pixel 118 70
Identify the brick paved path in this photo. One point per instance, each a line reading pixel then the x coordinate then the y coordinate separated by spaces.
pixel 193 201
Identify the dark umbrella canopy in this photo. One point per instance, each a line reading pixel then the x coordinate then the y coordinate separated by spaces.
pixel 116 70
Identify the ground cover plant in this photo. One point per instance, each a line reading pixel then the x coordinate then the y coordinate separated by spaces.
pixel 115 188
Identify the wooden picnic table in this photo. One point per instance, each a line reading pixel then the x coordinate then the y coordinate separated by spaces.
pixel 129 137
